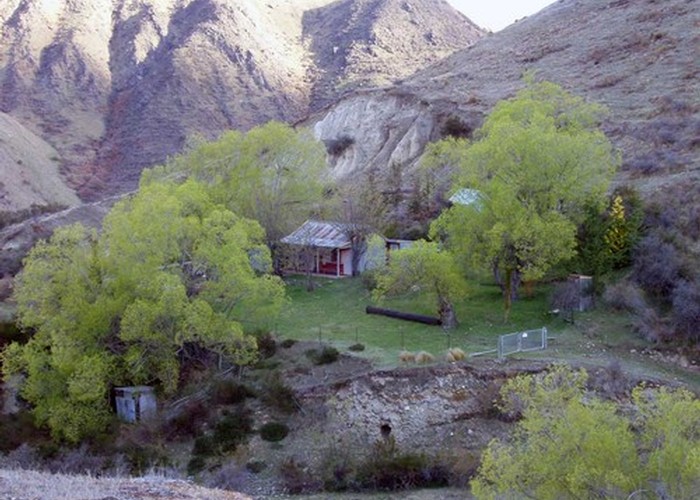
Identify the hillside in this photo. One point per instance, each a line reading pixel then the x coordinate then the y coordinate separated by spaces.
pixel 29 172
pixel 116 86
pixel 639 58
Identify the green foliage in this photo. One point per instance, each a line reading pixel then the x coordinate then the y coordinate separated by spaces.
pixel 387 468
pixel 569 444
pixel 274 431
pixel 423 266
pixel 171 267
pixel 537 161
pixel 272 174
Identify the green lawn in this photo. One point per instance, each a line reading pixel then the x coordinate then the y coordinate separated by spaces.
pixel 335 311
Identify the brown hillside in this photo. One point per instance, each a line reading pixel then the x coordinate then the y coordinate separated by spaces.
pixel 117 86
pixel 640 58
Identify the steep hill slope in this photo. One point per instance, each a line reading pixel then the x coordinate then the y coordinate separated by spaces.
pixel 640 58
pixel 29 178
pixel 119 85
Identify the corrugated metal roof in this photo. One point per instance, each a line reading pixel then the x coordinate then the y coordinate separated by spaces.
pixel 465 196
pixel 319 234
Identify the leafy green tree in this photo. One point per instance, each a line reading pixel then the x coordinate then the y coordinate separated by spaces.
pixel 570 444
pixel 170 269
pixel 273 174
pixel 537 161
pixel 424 266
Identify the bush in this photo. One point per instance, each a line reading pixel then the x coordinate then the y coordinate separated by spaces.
pixel 196 465
pixel 325 356
pixel 685 315
pixel 277 394
pixel 357 348
pixel 287 343
pixel 274 431
pixel 388 469
pixel 336 147
pixel 188 422
pixel 657 266
pixel 625 296
pixel 232 430
pixel 230 392
pixel 267 345
pixel 296 477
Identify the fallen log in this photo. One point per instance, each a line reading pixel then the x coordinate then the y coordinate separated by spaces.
pixel 418 318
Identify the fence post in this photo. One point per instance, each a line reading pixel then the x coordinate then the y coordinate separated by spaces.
pixel 500 347
pixel 544 337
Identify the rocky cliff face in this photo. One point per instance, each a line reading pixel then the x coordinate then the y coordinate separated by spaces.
pixel 118 85
pixel 640 58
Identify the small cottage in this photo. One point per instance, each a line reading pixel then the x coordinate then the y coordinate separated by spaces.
pixel 324 245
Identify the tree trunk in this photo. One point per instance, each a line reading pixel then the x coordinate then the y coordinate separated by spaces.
pixel 359 246
pixel 447 314
pixel 507 295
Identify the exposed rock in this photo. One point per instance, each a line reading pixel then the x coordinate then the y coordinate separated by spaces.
pixel 638 58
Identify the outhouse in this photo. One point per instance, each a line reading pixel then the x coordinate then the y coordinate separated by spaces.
pixel 135 403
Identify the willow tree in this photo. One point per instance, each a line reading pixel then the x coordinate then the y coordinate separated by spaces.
pixel 537 161
pixel 273 174
pixel 425 268
pixel 172 271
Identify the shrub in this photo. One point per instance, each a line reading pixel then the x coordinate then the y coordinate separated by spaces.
pixel 267 345
pixel 685 315
pixel 229 392
pixel 455 127
pixel 325 356
pixel 287 343
pixel 357 348
pixel 625 296
pixel 274 431
pixel 277 394
pixel 296 477
pixel 657 266
pixel 388 469
pixel 187 422
pixel 232 430
pixel 196 465
pixel 337 146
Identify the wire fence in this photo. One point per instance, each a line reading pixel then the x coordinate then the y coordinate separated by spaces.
pixel 430 339
pixel 512 343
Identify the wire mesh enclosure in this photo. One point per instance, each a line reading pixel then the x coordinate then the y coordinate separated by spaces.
pixel 530 340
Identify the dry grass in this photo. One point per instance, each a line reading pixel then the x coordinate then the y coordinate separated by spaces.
pixel 24 484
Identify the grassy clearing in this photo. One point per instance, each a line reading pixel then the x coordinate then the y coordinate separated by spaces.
pixel 335 313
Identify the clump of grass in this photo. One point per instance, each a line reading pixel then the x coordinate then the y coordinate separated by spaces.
pixel 357 348
pixel 424 357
